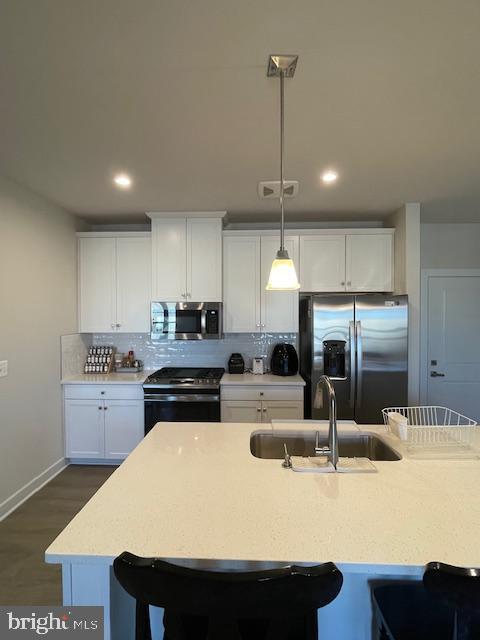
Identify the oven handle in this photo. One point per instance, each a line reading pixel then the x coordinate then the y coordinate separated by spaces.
pixel 194 397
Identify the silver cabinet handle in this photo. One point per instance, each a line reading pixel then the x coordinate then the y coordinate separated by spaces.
pixel 118 326
pixel 105 408
pixel 259 409
pixel 264 410
pixel 261 393
pixel 342 283
pixel 349 283
pixel 184 295
pixel 99 408
pixel 112 325
pixel 436 374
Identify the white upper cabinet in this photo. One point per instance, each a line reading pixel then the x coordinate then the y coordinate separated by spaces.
pixel 248 308
pixel 114 283
pixel 369 264
pixel 322 263
pixel 279 309
pixel 187 257
pixel 350 261
pixel 204 259
pixel 241 284
pixel 169 259
pixel 134 284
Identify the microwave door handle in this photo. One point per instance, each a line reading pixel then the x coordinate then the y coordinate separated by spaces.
pixel 203 322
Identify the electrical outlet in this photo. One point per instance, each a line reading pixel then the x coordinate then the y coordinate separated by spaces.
pixel 3 368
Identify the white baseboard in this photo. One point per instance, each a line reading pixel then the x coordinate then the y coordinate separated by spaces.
pixel 19 497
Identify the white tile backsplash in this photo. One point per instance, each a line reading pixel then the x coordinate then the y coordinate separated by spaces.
pixel 74 349
pixel 207 353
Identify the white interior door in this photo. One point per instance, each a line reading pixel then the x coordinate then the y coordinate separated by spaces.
pixel 279 309
pixel 453 345
pixel 134 284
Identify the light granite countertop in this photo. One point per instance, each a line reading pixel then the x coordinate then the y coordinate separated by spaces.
pixel 194 491
pixel 240 379
pixel 107 378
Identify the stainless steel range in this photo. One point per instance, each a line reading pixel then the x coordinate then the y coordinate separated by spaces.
pixel 182 394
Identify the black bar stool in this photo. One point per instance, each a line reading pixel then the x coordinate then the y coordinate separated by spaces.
pixel 445 606
pixel 278 604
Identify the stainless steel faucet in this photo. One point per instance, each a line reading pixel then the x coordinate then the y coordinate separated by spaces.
pixel 332 450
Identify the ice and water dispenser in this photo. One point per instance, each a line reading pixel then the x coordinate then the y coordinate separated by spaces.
pixel 334 358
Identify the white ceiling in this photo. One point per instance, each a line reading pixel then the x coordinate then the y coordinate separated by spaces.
pixel 175 92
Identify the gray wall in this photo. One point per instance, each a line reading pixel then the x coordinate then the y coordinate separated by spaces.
pixel 37 305
pixel 450 246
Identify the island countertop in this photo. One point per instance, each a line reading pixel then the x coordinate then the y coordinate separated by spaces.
pixel 242 379
pixel 194 491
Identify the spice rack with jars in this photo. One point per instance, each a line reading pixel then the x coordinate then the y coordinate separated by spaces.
pixel 99 360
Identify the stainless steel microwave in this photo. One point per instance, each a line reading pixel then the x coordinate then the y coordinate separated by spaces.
pixel 186 320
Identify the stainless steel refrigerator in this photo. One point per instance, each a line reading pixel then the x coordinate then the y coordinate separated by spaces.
pixel 361 343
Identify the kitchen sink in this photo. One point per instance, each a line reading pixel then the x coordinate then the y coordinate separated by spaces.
pixel 360 445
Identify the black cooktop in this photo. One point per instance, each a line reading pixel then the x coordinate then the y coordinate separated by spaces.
pixel 174 375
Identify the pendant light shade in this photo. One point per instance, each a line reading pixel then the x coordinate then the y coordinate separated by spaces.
pixel 283 275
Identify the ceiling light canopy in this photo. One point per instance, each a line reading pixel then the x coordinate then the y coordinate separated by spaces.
pixel 283 276
pixel 123 180
pixel 329 176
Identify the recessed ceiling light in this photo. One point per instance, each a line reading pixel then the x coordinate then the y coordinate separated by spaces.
pixel 122 180
pixel 329 176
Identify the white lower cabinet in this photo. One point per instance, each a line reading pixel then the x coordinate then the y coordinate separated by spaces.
pixel 97 427
pixel 251 403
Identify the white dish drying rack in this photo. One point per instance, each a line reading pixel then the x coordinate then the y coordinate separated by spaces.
pixel 437 432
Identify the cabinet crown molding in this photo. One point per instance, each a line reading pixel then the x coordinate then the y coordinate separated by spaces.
pixel 155 215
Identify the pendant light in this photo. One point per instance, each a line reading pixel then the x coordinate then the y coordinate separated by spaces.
pixel 283 276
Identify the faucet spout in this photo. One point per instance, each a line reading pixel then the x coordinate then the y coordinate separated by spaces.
pixel 332 450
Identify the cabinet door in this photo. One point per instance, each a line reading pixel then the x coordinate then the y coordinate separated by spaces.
pixel 204 260
pixel 279 309
pixel 124 427
pixel 241 411
pixel 169 250
pixel 96 285
pixel 134 284
pixel 322 263
pixel 282 410
pixel 369 262
pixel 84 434
pixel 241 284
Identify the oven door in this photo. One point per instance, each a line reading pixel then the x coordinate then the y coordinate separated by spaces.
pixel 179 407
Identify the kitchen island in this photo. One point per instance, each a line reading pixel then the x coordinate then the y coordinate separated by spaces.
pixel 194 494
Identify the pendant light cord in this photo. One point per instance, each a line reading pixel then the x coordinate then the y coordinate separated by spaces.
pixel 282 143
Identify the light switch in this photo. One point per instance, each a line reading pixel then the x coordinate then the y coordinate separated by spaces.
pixel 3 368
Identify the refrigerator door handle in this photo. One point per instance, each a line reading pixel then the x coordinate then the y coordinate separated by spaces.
pixel 351 335
pixel 359 362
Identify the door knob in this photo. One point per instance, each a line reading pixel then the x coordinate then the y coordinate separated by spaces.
pixel 436 374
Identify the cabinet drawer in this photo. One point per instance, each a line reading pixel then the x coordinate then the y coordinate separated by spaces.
pixel 267 392
pixel 104 392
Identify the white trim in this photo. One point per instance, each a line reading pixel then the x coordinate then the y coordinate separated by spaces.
pixel 113 234
pixel 178 215
pixel 426 274
pixel 24 493
pixel 365 231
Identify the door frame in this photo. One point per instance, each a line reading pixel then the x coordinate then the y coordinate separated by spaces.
pixel 426 274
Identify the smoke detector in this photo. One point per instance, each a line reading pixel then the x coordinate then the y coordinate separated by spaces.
pixel 271 189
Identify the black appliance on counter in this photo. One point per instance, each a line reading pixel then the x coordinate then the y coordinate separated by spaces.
pixel 182 394
pixel 284 361
pixel 236 363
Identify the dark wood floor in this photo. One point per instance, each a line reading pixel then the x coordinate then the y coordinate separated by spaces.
pixel 28 531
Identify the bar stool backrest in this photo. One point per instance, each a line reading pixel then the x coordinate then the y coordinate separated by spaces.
pixel 460 589
pixel 225 598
